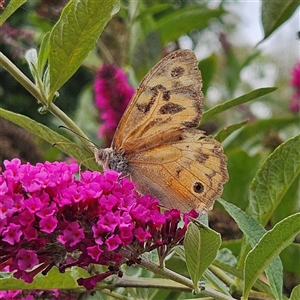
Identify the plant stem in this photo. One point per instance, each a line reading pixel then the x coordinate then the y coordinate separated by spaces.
pixel 221 275
pixel 37 93
pixel 167 273
pixel 21 78
pixel 114 295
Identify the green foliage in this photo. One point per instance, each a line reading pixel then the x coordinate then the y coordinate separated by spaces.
pixel 254 133
pixel 295 293
pixel 53 280
pixel 274 179
pixel 264 182
pixel 80 153
pixel 182 21
pixel 269 246
pixel 12 6
pixel 201 246
pixel 227 131
pixel 208 67
pixel 253 232
pixel 234 102
pixel 74 36
pixel 275 13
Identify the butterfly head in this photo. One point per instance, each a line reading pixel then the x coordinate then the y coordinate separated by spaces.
pixel 112 159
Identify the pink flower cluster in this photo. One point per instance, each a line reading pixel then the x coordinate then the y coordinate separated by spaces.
pixel 112 95
pixel 32 295
pixel 49 218
pixel 295 83
pixel 2 4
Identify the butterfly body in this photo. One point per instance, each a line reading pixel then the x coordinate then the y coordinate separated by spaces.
pixel 156 145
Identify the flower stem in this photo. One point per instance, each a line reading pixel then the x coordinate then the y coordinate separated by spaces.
pixel 167 273
pixel 21 78
pixel 37 93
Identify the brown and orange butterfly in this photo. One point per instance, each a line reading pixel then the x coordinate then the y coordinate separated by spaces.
pixel 156 144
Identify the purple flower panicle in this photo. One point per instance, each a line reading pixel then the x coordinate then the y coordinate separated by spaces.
pixel 295 83
pixel 112 95
pixel 49 218
pixel 36 294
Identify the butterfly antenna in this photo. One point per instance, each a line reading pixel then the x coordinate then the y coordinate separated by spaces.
pixel 65 143
pixel 79 135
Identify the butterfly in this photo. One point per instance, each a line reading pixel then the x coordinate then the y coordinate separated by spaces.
pixel 157 145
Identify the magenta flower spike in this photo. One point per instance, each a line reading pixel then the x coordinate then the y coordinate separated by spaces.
pixel 112 95
pixel 295 83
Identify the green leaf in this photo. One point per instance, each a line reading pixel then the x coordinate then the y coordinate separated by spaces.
pixel 228 262
pixel 150 11
pixel 232 70
pixel 81 155
pixel 53 280
pixel 75 35
pixel 254 132
pixel 11 7
pixel 273 179
pixel 288 257
pixel 253 231
pixel 274 13
pixel 268 248
pixel 237 101
pixel 295 295
pixel 201 245
pixel 43 54
pixel 31 57
pixel 227 131
pixel 288 205
pixel 184 20
pixel 250 58
pixel 236 189
pixel 216 282
pixel 208 68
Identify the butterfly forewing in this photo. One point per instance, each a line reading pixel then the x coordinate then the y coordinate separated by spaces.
pixel 168 97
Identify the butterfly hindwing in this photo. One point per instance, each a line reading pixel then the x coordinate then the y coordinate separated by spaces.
pixel 190 173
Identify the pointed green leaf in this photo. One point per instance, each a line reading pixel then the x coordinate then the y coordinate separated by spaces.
pixel 274 13
pixel 253 231
pixel 254 132
pixel 201 245
pixel 237 101
pixel 208 67
pixel 295 295
pixel 43 54
pixel 152 10
pixel 184 20
pixel 81 155
pixel 289 256
pixel 268 248
pixel 31 57
pixel 216 282
pixel 75 35
pixel 10 8
pixel 227 131
pixel 273 179
pixel 237 188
